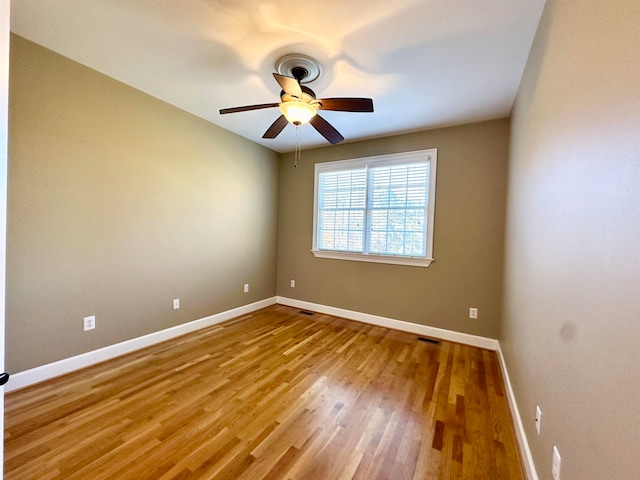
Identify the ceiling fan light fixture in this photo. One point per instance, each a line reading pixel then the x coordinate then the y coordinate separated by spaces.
pixel 298 103
pixel 296 112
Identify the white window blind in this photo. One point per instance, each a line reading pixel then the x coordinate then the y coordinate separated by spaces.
pixel 398 209
pixel 342 197
pixel 376 209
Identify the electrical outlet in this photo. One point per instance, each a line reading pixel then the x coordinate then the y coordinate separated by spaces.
pixel 555 464
pixel 246 288
pixel 538 418
pixel 89 322
pixel 473 312
pixel 176 303
pixel 293 284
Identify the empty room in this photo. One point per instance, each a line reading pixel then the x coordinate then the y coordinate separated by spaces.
pixel 320 240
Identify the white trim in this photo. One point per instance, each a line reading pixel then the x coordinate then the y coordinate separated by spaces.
pixel 430 156
pixel 67 365
pixel 425 330
pixel 521 436
pixel 61 367
pixel 414 156
pixel 369 257
pixel 443 334
pixel 5 24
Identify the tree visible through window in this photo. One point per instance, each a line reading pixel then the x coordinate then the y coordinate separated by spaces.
pixel 376 209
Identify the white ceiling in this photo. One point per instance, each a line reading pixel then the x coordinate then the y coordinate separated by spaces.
pixel 425 63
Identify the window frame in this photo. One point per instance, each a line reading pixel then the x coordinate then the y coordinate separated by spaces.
pixel 430 156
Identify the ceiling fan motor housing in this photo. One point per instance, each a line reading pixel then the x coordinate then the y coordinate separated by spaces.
pixel 299 73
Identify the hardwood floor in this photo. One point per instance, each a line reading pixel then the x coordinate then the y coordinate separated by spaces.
pixel 272 395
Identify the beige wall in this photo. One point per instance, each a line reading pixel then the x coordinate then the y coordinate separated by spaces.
pixel 468 244
pixel 119 203
pixel 571 328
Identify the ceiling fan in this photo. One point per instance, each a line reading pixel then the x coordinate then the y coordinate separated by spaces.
pixel 299 104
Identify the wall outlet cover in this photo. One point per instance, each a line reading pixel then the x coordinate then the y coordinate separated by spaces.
pixel 89 323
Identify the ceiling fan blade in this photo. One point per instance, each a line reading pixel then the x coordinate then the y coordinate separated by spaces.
pixel 326 129
pixel 347 104
pixel 289 84
pixel 276 127
pixel 247 108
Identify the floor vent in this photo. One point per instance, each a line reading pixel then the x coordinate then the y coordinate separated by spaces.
pixel 306 312
pixel 429 340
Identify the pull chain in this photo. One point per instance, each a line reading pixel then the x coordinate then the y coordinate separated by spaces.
pixel 297 152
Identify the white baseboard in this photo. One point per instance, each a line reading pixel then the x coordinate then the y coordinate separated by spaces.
pixel 67 365
pixel 473 340
pixel 61 367
pixel 525 452
pixel 423 330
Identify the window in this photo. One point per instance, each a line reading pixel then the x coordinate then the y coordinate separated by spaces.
pixel 376 209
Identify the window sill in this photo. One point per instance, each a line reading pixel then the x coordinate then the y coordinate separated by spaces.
pixel 372 258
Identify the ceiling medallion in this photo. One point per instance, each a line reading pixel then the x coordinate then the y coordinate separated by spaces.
pixel 300 66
